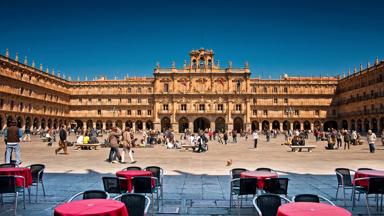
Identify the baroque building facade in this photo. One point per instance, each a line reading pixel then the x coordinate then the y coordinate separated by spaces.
pixel 201 94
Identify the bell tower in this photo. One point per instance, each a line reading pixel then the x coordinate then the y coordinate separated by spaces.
pixel 201 59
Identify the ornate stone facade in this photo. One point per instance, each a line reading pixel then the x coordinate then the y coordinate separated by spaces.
pixel 201 94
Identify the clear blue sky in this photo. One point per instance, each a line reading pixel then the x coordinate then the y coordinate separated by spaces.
pixel 308 38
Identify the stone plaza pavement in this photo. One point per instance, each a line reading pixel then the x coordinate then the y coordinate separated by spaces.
pixel 196 184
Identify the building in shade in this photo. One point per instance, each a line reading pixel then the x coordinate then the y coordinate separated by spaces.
pixel 199 95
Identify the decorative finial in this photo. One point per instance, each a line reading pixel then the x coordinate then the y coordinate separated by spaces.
pixel 343 74
pixel 368 64
pixel 349 71
pixel 78 78
pixel 53 71
pixel 33 63
pixel 157 65
pixel 7 53
pixel 25 60
pixel 69 78
pixel 86 78
pixel 58 73
pixel 41 67
pixel 376 61
pixel 173 65
pixel 115 77
pixel 47 70
pixel 354 69
pixel 246 65
pixel 185 64
pixel 218 63
pixel 17 57
pixel 229 64
pixel 361 67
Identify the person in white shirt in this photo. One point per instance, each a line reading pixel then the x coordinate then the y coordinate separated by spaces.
pixel 371 138
pixel 255 138
pixel 80 139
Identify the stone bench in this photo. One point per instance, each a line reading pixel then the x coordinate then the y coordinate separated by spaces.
pixel 298 147
pixel 89 146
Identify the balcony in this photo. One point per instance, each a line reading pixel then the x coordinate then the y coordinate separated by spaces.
pixel 179 111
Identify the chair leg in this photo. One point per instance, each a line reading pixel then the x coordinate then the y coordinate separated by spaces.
pixel 16 198
pixel 377 202
pixel 37 190
pixel 366 202
pixel 230 202
pixel 353 198
pixel 24 197
pixel 29 194
pixel 162 195
pixel 158 202
pixel 42 185
pixel 337 191
pixel 1 198
pixel 345 201
pixel 153 205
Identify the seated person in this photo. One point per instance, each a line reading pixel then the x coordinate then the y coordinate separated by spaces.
pixel 295 141
pixel 86 139
pixel 80 139
pixel 93 140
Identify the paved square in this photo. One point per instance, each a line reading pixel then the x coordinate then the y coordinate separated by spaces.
pixel 197 184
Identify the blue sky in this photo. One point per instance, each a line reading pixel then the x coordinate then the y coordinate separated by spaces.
pixel 115 38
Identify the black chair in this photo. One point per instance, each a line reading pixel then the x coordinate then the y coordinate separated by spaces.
pixel 276 186
pixel 91 194
pixel 235 173
pixel 143 185
pixel 8 185
pixel 37 171
pixel 264 169
pixel 344 180
pixel 247 186
pixel 375 187
pixel 8 165
pixel 157 172
pixel 310 198
pixel 115 185
pixel 137 204
pixel 268 204
pixel 132 168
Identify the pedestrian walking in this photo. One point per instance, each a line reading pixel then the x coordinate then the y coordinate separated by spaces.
pixel 255 138
pixel 13 135
pixel 225 138
pixel 371 138
pixel 27 134
pixel 347 139
pixel 62 141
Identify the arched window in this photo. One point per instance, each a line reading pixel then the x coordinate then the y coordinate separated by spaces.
pixel 210 63
pixel 194 65
pixel 201 63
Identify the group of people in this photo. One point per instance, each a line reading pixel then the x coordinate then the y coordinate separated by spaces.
pixel 127 140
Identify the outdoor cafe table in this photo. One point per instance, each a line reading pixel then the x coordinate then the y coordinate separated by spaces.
pixel 311 209
pixel 365 174
pixel 90 207
pixel 129 174
pixel 260 175
pixel 18 171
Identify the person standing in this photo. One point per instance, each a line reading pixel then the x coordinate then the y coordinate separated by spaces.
pixel 371 138
pixel 62 141
pixel 347 139
pixel 234 136
pixel 255 138
pixel 353 137
pixel 27 134
pixel 113 141
pixel 13 135
pixel 127 145
pixel 339 137
pixel 225 137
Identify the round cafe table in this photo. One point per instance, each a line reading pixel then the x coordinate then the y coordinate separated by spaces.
pixel 260 175
pixel 311 209
pixel 90 207
pixel 128 174
pixel 19 171
pixel 365 174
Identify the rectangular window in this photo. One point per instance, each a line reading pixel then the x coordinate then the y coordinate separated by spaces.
pixel 21 90
pixel 30 92
pixel 274 90
pixel 1 103
pixel 21 106
pixel 265 112
pixel 109 100
pixel 99 99
pixel 183 107
pixel 166 87
pixel 297 112
pixel 285 100
pixel 129 90
pixel 45 109
pixel 285 90
pixel 98 112
pixel 165 107
pixel 238 107
pixel 30 108
pixel 129 112
pixel 317 112
pixel 80 100
pixel 149 112
pixel 12 105
pixel 139 101
pixel 89 100
pixel 129 100
pixel 255 112
pixel 220 107
pixel 139 112
pixel 274 100
pixel 202 107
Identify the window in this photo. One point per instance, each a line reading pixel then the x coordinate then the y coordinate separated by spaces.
pixel 99 99
pixel 120 100
pixel 89 100
pixel 253 89
pixel 317 112
pixel 220 107
pixel 255 112
pixel 12 105
pixel 80 100
pixel 297 112
pixel 254 101
pixel 30 92
pixel 274 100
pixel 21 90
pixel 265 112
pixel 129 100
pixel 139 101
pixel 45 96
pixel 285 90
pixel 149 90
pixel 129 90
pixel 149 112
pixel 166 87
pixel 129 112
pixel 109 100
pixel 98 112
pixel 201 107
pixel 165 106
pixel 139 90
pixel 265 89
pixel 238 107
pixel 274 90
pixel 139 112
pixel 45 109
pixel 21 106
pixel 183 107
pixel 285 100
pixel 1 103
pixel 30 107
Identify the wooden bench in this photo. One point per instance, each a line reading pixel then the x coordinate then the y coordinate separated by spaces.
pixel 298 147
pixel 187 147
pixel 90 146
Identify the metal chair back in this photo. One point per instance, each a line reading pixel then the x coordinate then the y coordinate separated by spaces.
pixel 142 184
pixel 344 176
pixel 276 186
pixel 137 204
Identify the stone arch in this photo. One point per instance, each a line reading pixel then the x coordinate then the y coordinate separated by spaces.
pixel 43 123
pixel 19 122
pixel 286 125
pixel 128 124
pixel 344 124
pixel 119 124
pixel 238 124
pixel 255 125
pixel 9 120
pixel 200 123
pixel 79 123
pixel 296 125
pixel 307 125
pixel 108 125
pixel 49 123
pixel 381 123
pixel 139 125
pixel 265 125
pixel 353 124
pixel 28 122
pixel 55 126
pixel 374 125
pixel 165 124
pixel 99 125
pixel 317 125
pixel 366 125
pixel 220 124
pixel 149 125
pixel 183 124
pixel 330 124
pixel 359 125
pixel 276 125
pixel 89 124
